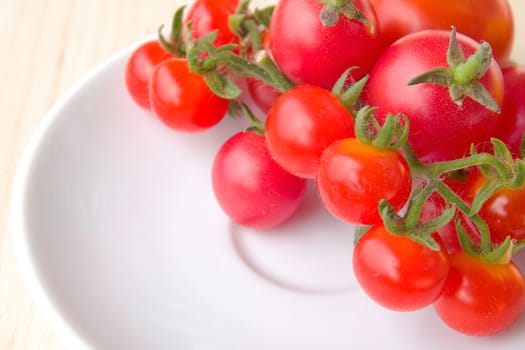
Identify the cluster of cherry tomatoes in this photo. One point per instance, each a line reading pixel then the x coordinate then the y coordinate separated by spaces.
pixel 411 130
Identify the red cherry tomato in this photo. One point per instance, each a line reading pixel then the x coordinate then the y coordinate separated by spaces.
pixel 480 298
pixel 301 124
pixel 139 70
pixel 440 129
pixel 262 94
pixel 514 107
pixel 310 53
pixel 397 272
pixel 504 211
pixel 482 20
pixel 251 187
pixel 209 15
pixel 182 100
pixel 354 177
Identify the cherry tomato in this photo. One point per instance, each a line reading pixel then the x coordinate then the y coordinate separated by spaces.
pixel 514 107
pixel 397 272
pixel 479 298
pixel 440 129
pixel 353 177
pixel 504 211
pixel 139 70
pixel 209 15
pixel 310 53
pixel 482 20
pixel 262 94
pixel 182 100
pixel 301 124
pixel 251 187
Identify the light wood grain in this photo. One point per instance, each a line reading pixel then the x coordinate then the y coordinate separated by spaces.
pixel 46 46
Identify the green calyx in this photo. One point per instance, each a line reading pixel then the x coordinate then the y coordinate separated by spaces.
pixel 500 254
pixel 214 64
pixel 174 44
pixel 240 109
pixel 349 93
pixel 333 9
pixel 418 232
pixel 248 25
pixel 501 172
pixel 393 134
pixel 462 75
pixel 217 64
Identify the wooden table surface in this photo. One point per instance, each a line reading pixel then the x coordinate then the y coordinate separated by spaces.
pixel 47 45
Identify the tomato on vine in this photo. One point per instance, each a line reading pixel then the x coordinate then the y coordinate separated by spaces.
pixel 398 272
pixel 182 100
pixel 448 87
pixel 481 298
pixel 514 108
pixel 504 211
pixel 353 177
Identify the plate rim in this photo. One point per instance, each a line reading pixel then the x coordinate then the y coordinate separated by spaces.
pixel 20 242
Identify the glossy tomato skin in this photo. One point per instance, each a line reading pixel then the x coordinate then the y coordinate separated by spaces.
pixel 262 94
pixel 182 100
pixel 504 211
pixel 514 107
pixel 354 177
pixel 439 128
pixel 139 69
pixel 209 15
pixel 480 298
pixel 310 53
pixel 252 189
pixel 482 20
pixel 301 124
pixel 397 272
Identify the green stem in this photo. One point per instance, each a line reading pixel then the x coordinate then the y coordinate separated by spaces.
pixel 256 125
pixel 282 83
pixel 416 204
pixel 413 161
pixel 335 3
pixel 238 64
pixel 264 69
pixel 254 35
pixel 439 168
pixel 474 67
pixel 385 133
pixel 451 197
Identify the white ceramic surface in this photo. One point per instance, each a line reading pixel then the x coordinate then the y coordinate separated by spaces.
pixel 123 246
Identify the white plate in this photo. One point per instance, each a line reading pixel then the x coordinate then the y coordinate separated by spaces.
pixel 123 246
